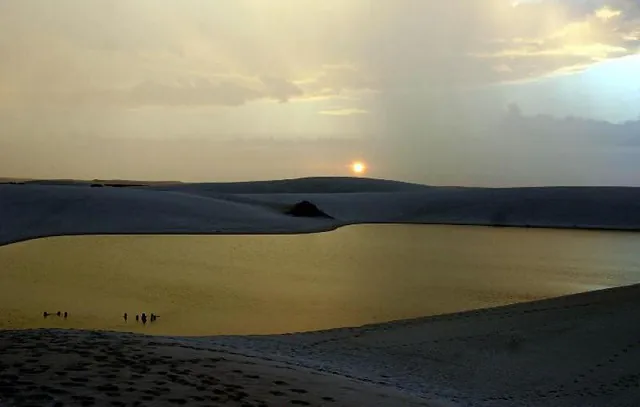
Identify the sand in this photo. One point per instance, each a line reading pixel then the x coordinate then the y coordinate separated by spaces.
pixel 55 367
pixel 580 350
pixel 45 209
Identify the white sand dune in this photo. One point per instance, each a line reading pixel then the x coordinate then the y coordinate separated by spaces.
pixel 581 350
pixel 41 209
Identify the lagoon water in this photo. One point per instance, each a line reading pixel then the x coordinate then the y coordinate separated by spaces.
pixel 204 285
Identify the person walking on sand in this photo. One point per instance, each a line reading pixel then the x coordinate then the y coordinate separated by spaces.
pixel 66 314
pixel 137 317
pixel 125 316
pixel 144 318
pixel 58 313
pixel 45 314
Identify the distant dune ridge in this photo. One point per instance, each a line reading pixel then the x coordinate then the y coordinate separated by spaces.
pixel 41 208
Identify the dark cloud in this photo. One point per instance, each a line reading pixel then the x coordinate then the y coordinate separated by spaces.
pixel 195 92
pixel 280 89
pixel 198 93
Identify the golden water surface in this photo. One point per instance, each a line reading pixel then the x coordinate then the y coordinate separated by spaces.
pixel 202 285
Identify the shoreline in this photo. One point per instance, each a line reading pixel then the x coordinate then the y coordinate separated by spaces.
pixel 566 351
pixel 326 229
pixel 544 303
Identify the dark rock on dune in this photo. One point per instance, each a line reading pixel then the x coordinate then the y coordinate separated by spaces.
pixel 308 210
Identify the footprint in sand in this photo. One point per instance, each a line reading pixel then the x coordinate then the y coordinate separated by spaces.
pixel 108 387
pixel 72 384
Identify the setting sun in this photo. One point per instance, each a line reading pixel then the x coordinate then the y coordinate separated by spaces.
pixel 358 167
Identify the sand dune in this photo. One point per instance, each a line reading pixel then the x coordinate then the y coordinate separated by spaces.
pixel 42 209
pixel 107 369
pixel 581 350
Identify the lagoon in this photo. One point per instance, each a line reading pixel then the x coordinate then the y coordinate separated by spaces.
pixel 264 284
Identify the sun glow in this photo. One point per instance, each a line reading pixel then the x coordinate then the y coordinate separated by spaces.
pixel 358 167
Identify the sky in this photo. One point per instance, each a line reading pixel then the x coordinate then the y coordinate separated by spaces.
pixel 462 92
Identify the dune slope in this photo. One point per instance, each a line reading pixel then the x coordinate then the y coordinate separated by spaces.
pixel 39 209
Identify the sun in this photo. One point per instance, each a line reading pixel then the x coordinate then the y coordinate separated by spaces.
pixel 358 167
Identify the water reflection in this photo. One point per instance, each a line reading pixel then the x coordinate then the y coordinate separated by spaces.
pixel 266 284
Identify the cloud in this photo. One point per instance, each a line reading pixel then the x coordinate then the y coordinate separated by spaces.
pixel 194 92
pixel 312 50
pixel 541 151
pixel 343 112
pixel 573 44
pixel 204 92
pixel 280 89
pixel 606 13
pixel 423 77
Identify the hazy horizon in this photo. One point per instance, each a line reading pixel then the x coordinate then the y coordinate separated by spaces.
pixel 491 93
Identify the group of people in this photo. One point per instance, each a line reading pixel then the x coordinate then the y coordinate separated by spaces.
pixel 143 317
pixel 60 314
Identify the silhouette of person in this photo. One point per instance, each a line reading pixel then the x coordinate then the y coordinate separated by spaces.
pixel 45 314
pixel 66 314
pixel 125 316
pixel 144 318
pixel 58 313
pixel 137 317
pixel 153 317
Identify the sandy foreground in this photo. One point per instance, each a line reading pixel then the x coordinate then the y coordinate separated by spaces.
pixel 580 350
pixel 56 368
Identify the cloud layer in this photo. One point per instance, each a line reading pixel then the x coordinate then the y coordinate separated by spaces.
pixel 421 83
pixel 165 52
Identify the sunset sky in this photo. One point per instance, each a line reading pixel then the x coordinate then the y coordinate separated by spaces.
pixel 438 92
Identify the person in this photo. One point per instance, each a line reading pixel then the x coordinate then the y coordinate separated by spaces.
pixel 66 314
pixel 125 317
pixel 153 317
pixel 45 314
pixel 144 318
pixel 137 317
pixel 58 313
